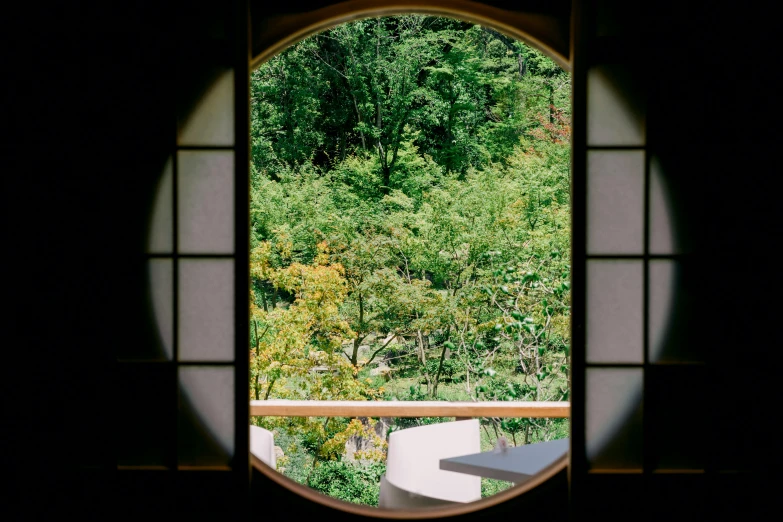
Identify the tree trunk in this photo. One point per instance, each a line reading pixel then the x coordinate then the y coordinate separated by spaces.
pixel 437 375
pixel 359 119
pixel 423 359
pixel 269 389
pixel 522 65
pixel 440 365
pixel 450 134
pixel 379 125
pixel 258 374
pixel 551 87
pixel 358 340
pixel 386 178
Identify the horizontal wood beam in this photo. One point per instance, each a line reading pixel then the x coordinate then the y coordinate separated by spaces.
pixel 286 408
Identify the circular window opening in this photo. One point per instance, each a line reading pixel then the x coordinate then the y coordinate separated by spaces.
pixel 410 260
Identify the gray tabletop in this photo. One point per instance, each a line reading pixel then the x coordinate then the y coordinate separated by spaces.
pixel 516 465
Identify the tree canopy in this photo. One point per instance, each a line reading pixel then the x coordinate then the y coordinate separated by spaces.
pixel 410 207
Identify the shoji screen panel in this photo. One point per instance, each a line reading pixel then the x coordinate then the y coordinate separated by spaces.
pixel 189 391
pixel 635 372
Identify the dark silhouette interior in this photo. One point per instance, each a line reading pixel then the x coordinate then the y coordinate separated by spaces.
pixel 90 96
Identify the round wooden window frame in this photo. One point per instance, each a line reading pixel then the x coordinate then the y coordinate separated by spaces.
pixel 539 31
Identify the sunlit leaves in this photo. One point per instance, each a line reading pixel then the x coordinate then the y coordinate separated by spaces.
pixel 410 180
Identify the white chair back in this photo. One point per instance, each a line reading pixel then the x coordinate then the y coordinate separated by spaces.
pixel 262 445
pixel 392 497
pixel 413 461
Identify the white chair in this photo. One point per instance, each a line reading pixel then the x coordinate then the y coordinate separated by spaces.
pixel 262 445
pixel 392 497
pixel 413 476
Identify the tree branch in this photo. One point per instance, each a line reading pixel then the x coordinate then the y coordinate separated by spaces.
pixel 394 336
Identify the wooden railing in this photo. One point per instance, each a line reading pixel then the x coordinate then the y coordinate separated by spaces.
pixel 286 408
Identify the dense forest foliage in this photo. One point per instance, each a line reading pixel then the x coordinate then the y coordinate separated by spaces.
pixel 410 221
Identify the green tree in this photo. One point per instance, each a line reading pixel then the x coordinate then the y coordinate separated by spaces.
pixel 410 190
